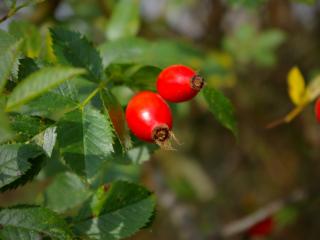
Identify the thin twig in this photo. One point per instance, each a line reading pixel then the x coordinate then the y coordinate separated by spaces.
pixel 92 95
pixel 241 225
pixel 88 99
pixel 288 118
pixel 14 9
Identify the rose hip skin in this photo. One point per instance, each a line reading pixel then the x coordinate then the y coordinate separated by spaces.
pixel 178 83
pixel 261 228
pixel 317 110
pixel 149 117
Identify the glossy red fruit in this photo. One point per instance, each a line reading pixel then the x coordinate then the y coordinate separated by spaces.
pixel 262 228
pixel 149 117
pixel 178 83
pixel 317 110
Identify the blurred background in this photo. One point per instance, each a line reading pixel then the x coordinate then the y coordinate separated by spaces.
pixel 216 186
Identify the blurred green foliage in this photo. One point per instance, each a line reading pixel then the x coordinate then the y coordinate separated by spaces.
pixel 70 124
pixel 248 46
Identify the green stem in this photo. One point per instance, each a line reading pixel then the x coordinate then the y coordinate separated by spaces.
pixel 294 113
pixel 11 12
pixel 13 9
pixel 91 95
pixel 14 3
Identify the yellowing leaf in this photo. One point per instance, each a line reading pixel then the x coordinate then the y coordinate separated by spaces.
pixel 296 85
pixel 313 88
pixel 300 95
pixel 294 113
pixel 48 45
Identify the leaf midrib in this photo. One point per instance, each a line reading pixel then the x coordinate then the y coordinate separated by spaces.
pixel 33 229
pixel 118 209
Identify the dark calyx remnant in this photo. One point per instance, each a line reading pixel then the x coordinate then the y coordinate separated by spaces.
pixel 197 82
pixel 161 133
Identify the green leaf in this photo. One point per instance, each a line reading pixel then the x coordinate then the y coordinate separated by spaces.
pixel 29 34
pixel 113 171
pixel 125 20
pixel 12 233
pixel 8 59
pixel 159 54
pixel 66 192
pixel 85 139
pixel 131 50
pixel 116 211
pixel 74 49
pixel 38 83
pixel 136 155
pixel 26 126
pixel 32 222
pixel 117 117
pixel 247 3
pixel 5 131
pixel 69 90
pixel 26 67
pixel 6 40
pixel 144 78
pixel 54 165
pixel 77 90
pixel 47 140
pixel 51 105
pixel 36 165
pixel 221 108
pixel 16 163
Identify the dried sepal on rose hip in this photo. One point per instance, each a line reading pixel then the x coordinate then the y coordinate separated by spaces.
pixel 149 118
pixel 178 83
pixel 317 109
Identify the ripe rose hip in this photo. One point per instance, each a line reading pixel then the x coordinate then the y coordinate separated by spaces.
pixel 317 110
pixel 149 118
pixel 261 228
pixel 178 83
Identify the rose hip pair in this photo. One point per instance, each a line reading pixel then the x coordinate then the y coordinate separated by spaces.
pixel 149 116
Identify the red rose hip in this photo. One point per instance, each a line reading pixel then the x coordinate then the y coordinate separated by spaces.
pixel 149 117
pixel 178 83
pixel 317 110
pixel 261 228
